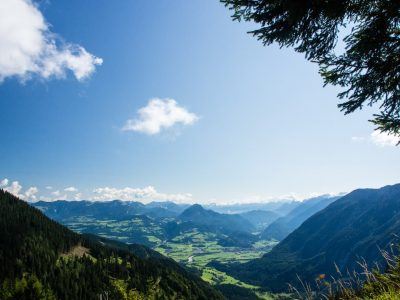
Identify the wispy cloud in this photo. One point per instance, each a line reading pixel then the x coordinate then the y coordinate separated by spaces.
pixel 146 194
pixel 71 189
pixel 15 188
pixel 30 193
pixel 159 114
pixel 56 195
pixel 4 182
pixel 381 139
pixel 28 47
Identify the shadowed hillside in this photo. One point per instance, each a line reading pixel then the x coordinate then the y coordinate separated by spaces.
pixel 282 227
pixel 225 222
pixel 40 259
pixel 356 226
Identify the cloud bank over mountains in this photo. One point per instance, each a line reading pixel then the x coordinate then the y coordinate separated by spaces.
pixel 48 193
pixel 144 195
pixel 15 188
pixel 28 48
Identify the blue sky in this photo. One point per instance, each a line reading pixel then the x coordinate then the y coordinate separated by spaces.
pixel 251 122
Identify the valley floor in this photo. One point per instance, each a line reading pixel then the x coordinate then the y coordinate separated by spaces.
pixel 197 250
pixel 193 249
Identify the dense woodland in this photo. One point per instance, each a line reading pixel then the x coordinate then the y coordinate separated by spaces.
pixel 38 257
pixel 32 265
pixel 332 243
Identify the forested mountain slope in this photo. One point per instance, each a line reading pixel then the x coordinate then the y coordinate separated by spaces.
pixel 282 227
pixel 260 219
pixel 63 210
pixel 41 259
pixel 352 228
pixel 225 222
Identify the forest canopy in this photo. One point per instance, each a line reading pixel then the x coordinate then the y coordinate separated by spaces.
pixel 367 70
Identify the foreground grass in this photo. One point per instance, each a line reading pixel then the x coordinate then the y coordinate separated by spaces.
pixel 366 285
pixel 216 277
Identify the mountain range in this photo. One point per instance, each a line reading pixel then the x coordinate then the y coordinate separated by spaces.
pixel 281 207
pixel 167 220
pixel 353 229
pixel 321 238
pixel 41 259
pixel 227 223
pixel 117 209
pixel 283 226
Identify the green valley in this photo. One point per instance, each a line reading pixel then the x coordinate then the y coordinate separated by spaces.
pixel 189 236
pixel 41 259
pixel 232 251
pixel 194 249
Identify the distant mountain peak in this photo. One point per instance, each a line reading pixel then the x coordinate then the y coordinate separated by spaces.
pixel 194 209
pixel 197 214
pixel 353 228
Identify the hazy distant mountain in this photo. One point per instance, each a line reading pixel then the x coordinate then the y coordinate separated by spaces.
pixel 225 222
pixel 140 223
pixel 169 206
pixel 61 210
pixel 260 218
pixel 41 259
pixel 282 227
pixel 281 207
pixel 355 226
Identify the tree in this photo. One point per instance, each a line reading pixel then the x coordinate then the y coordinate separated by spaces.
pixel 368 69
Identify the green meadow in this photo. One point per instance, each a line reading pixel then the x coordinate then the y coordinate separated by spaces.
pixel 193 249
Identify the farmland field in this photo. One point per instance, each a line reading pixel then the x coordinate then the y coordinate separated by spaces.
pixel 194 249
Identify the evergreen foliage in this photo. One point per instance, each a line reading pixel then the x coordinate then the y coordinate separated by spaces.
pixel 368 69
pixel 36 263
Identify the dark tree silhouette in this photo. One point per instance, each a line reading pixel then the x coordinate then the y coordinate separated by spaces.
pixel 368 69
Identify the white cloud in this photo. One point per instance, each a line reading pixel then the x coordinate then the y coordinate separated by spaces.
pixel 384 139
pixel 14 188
pixel 28 47
pixel 4 182
pixel 56 193
pixel 30 194
pixel 144 195
pixel 71 189
pixel 49 187
pixel 159 114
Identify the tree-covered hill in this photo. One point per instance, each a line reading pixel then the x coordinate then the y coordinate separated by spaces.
pixel 62 210
pixel 356 227
pixel 41 259
pixel 224 222
pixel 282 227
